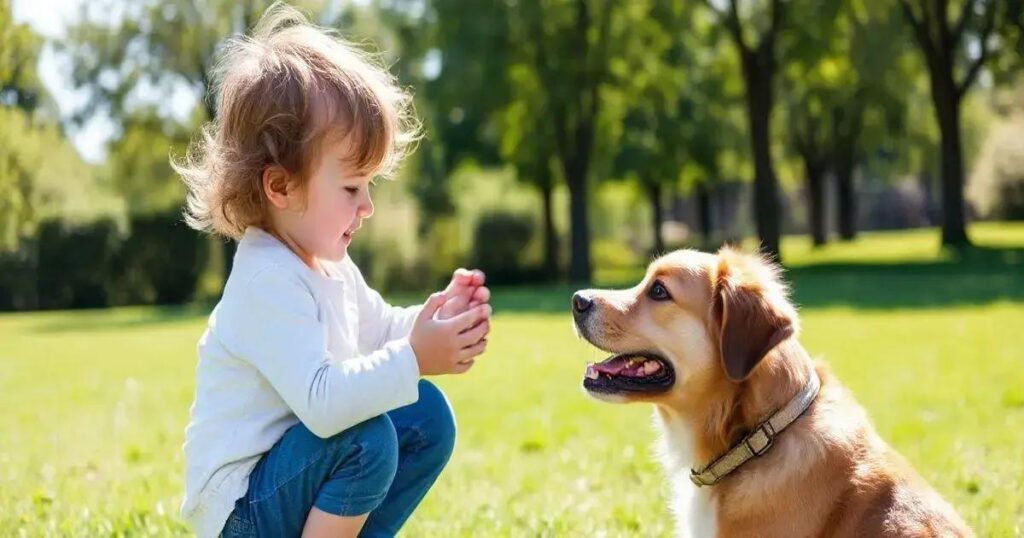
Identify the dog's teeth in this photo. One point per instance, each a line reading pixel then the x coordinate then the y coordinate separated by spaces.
pixel 591 372
pixel 651 366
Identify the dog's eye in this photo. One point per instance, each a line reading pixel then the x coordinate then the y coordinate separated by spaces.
pixel 658 292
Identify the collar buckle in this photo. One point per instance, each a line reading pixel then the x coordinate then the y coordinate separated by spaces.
pixel 761 439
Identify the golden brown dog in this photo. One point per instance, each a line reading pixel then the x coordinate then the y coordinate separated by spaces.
pixel 711 341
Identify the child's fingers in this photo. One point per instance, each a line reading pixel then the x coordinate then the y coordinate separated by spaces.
pixel 478 277
pixel 463 277
pixel 463 366
pixel 481 295
pixel 474 335
pixel 433 304
pixel 473 351
pixel 470 317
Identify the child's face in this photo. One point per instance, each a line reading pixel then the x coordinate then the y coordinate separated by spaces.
pixel 335 203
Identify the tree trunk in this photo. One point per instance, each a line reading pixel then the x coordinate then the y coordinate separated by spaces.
pixel 704 210
pixel 847 202
pixel 759 108
pixel 924 180
pixel 654 189
pixel 947 113
pixel 550 239
pixel 815 175
pixel 576 178
pixel 847 122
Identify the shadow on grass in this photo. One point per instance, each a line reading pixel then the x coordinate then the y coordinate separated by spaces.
pixel 972 276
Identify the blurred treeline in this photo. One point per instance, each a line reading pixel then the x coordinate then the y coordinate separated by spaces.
pixel 562 135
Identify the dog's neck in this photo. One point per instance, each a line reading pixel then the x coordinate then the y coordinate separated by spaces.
pixel 718 417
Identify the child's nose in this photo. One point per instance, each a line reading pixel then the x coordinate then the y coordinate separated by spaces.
pixel 366 208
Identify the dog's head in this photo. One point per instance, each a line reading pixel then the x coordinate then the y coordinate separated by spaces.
pixel 696 319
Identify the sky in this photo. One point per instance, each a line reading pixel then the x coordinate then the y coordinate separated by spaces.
pixel 50 18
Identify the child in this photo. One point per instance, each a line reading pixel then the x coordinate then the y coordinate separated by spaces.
pixel 309 415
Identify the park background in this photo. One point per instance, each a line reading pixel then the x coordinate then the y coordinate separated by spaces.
pixel 874 147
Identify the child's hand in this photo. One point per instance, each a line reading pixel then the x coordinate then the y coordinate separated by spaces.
pixel 465 291
pixel 448 346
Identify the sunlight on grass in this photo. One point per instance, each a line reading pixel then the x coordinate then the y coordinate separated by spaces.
pixel 95 404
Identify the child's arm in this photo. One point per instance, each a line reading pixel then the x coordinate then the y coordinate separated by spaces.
pixel 379 322
pixel 275 326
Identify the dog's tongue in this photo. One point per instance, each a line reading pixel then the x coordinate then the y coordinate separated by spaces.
pixel 612 366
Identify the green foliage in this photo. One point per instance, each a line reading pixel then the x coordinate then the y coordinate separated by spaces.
pixel 138 166
pixel 156 260
pixel 499 244
pixel 19 48
pixel 42 177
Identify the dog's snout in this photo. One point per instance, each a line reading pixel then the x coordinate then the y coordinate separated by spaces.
pixel 581 303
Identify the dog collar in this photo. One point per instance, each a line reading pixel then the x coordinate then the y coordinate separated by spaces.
pixel 760 440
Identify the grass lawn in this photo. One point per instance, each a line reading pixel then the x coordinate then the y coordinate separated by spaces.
pixel 95 402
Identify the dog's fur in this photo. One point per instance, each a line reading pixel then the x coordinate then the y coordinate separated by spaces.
pixel 730 334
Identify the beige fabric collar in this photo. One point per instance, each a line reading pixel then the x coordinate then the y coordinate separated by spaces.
pixel 760 440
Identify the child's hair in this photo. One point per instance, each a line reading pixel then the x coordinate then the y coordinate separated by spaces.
pixel 280 94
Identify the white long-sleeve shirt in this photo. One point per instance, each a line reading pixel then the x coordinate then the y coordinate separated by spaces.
pixel 287 344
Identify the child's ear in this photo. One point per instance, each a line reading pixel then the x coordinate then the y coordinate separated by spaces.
pixel 276 182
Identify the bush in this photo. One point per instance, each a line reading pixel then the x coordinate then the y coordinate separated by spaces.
pixel 159 262
pixel 74 264
pixel 996 186
pixel 499 242
pixel 94 265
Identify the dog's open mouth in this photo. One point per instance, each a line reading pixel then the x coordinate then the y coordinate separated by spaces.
pixel 630 372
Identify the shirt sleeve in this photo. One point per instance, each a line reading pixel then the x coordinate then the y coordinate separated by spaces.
pixel 379 322
pixel 275 326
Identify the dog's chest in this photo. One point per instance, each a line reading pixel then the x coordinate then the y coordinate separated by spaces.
pixel 694 508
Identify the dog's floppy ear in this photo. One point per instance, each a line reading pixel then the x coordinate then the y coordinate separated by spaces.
pixel 750 325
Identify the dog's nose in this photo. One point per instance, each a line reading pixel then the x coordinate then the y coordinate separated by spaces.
pixel 581 303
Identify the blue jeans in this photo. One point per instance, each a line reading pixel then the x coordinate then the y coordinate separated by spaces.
pixel 383 467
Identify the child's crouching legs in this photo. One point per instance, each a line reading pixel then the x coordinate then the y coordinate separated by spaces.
pixel 365 458
pixel 426 439
pixel 338 480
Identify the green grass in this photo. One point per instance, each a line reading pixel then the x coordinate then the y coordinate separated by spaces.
pixel 95 402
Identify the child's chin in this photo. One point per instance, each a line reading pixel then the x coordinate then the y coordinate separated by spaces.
pixel 335 256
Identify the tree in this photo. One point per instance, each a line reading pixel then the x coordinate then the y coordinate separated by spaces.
pixel 947 45
pixel 570 51
pixel 528 143
pixel 19 50
pixel 759 65
pixel 452 53
pixel 652 148
pixel 155 44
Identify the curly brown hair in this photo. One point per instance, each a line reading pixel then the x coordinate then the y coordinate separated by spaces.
pixel 281 94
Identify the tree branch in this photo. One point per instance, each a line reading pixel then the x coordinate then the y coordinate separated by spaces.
pixel 961 21
pixel 731 20
pixel 919 26
pixel 979 62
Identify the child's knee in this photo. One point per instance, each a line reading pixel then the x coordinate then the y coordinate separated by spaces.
pixel 378 447
pixel 364 461
pixel 440 436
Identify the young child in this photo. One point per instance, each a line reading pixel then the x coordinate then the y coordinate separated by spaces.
pixel 310 415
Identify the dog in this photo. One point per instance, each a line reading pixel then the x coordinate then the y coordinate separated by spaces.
pixel 757 439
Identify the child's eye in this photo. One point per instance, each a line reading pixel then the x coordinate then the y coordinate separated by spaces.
pixel 352 190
